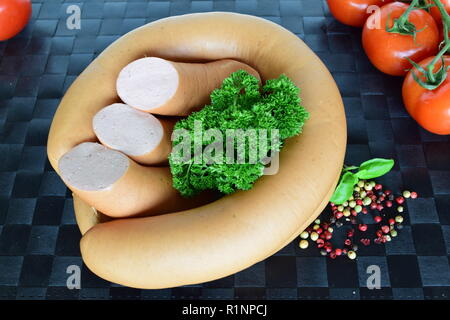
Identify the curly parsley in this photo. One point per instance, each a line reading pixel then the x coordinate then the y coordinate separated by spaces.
pixel 240 103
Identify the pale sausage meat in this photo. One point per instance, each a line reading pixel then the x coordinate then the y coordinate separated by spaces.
pixel 138 134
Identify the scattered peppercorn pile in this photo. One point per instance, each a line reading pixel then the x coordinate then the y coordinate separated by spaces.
pixel 368 197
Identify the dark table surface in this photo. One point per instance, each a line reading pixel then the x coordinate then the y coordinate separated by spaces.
pixel 38 235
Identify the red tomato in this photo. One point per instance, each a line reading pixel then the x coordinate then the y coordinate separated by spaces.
pixel 353 12
pixel 387 51
pixel 436 13
pixel 430 108
pixel 14 16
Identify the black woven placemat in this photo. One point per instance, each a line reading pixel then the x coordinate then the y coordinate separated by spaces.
pixel 38 235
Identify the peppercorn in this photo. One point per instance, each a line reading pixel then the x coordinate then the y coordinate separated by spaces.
pixel 385 229
pixel 414 195
pixel 380 207
pixel 347 212
pixel 367 187
pixel 338 251
pixel 373 206
pixel 388 237
pixel 361 183
pixel 378 187
pixel 358 208
pixel 304 244
pixel 304 235
pixel 377 219
pixel 330 229
pixel 339 215
pixel 314 236
pixel 388 192
pixel 322 236
pixel 354 212
pixel 406 194
pixel 389 203
pixel 328 235
pixel 366 201
pixel 379 233
pixel 351 255
pixel 340 208
pixel 352 204
pixel 362 227
pixel 317 221
pixel 400 209
pixel 320 243
pixel 316 226
pixel 348 242
pixel 350 233
pixel 363 194
pixel 333 255
pixel 400 200
pixel 364 211
pixel 373 183
pixel 391 221
pixel 357 189
pixel 399 219
pixel 393 233
pixel 323 252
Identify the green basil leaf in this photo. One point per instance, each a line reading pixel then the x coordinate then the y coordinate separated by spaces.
pixel 374 168
pixel 344 190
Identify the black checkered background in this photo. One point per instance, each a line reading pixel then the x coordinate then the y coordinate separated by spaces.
pixel 38 235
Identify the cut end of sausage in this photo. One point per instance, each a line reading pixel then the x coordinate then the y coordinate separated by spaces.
pixel 92 167
pixel 147 83
pixel 128 130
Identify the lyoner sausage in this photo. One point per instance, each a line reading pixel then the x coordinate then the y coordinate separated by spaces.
pixel 139 135
pixel 173 88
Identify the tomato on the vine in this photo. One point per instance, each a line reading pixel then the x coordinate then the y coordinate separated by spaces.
pixel 388 51
pixel 353 12
pixel 14 16
pixel 436 13
pixel 430 108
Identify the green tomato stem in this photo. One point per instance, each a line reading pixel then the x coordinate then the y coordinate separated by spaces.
pixel 401 24
pixel 446 22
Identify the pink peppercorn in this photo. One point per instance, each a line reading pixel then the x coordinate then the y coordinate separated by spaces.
pixel 378 187
pixel 400 200
pixel 380 207
pixel 414 195
pixel 391 221
pixel 320 243
pixel 362 227
pixel 385 229
pixel 338 251
pixel 364 211
pixel 348 242
pixel 389 203
pixel 377 219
